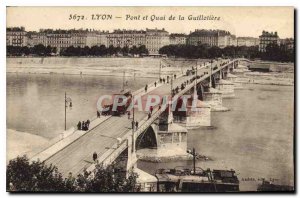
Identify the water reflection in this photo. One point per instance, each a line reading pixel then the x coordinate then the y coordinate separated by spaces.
pixel 255 138
pixel 35 102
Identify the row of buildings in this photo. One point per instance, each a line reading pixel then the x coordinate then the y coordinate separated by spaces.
pixel 153 39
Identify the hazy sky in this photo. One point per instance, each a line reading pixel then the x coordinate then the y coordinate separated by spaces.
pixel 241 21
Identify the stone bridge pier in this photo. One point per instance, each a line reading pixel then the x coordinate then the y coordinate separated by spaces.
pixel 226 87
pixel 197 112
pixel 163 140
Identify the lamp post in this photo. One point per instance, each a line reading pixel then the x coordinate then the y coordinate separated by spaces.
pixel 210 83
pixel 67 100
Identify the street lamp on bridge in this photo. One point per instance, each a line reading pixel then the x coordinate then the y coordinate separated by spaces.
pixel 68 103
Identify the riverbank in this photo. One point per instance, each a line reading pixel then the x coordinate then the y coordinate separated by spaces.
pixel 150 155
pixel 270 78
pixel 129 67
pixel 21 143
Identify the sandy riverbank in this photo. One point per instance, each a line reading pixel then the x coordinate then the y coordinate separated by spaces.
pixel 133 67
pixel 21 143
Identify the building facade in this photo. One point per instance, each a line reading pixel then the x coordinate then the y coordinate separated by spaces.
pixel 156 39
pixel 267 38
pixel 129 38
pixel 16 36
pixel 177 39
pixel 287 43
pixel 219 38
pixel 247 41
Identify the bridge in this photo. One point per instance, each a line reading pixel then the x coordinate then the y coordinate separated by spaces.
pixel 113 138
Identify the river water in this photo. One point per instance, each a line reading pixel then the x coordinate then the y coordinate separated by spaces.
pixel 255 138
pixel 35 102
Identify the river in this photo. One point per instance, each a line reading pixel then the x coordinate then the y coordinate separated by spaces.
pixel 255 138
pixel 35 102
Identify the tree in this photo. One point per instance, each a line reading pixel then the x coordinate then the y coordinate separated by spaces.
pixel 111 50
pixel 39 49
pixel 142 50
pixel 110 179
pixel 23 175
pixel 125 50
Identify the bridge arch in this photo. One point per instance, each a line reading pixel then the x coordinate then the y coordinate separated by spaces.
pixel 147 139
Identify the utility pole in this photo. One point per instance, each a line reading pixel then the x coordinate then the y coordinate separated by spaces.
pixel 159 69
pixel 194 160
pixel 133 125
pixel 210 83
pixel 123 86
pixel 65 111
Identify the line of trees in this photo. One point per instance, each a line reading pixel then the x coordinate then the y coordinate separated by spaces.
pixel 280 53
pixel 205 51
pixel 39 50
pixel 25 176
pixel 104 51
pixel 273 52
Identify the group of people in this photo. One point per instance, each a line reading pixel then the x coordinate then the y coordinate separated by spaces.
pixel 83 126
pixel 162 80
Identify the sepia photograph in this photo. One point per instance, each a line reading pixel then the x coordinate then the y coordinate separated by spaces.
pixel 150 99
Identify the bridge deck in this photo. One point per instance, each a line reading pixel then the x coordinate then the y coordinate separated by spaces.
pixel 78 155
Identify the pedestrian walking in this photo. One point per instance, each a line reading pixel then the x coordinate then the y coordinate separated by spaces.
pixel 82 125
pixel 151 109
pixel 98 114
pixel 149 115
pixel 95 156
pixel 87 124
pixel 136 124
pixel 79 125
pixel 146 88
pixel 155 83
pixel 128 113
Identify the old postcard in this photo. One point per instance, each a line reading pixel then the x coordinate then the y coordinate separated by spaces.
pixel 150 99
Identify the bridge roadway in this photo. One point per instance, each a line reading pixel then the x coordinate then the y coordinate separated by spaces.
pixel 78 155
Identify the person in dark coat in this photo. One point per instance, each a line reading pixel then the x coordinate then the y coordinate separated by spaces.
pixel 136 124
pixel 98 114
pixel 155 83
pixel 151 109
pixel 95 156
pixel 83 126
pixel 128 113
pixel 87 125
pixel 79 125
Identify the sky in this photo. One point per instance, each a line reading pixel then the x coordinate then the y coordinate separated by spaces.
pixel 240 21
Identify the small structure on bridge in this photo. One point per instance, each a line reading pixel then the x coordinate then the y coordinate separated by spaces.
pixel 195 116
